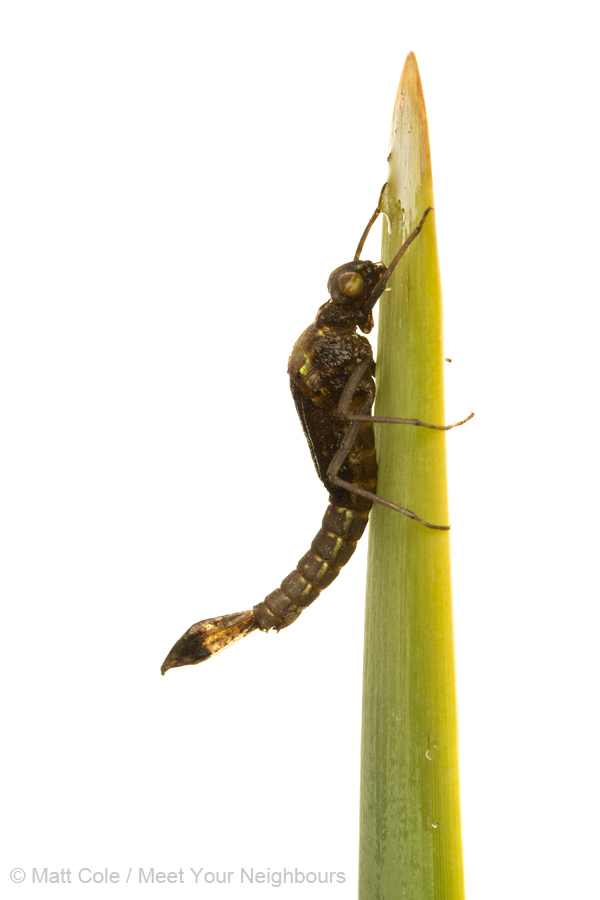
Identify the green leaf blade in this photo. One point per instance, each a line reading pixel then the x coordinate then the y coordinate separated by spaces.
pixel 410 842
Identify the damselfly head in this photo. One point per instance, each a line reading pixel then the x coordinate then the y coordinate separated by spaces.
pixel 352 283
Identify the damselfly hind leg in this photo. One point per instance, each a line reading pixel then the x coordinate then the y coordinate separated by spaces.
pixel 356 420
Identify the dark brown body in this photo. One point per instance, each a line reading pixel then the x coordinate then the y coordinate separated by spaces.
pixel 331 373
pixel 321 363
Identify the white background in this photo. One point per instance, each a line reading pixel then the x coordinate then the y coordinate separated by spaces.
pixel 177 181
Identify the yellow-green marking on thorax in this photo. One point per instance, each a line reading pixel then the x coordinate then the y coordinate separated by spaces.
pixel 304 369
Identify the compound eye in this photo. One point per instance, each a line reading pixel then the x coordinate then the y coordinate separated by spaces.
pixel 352 285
